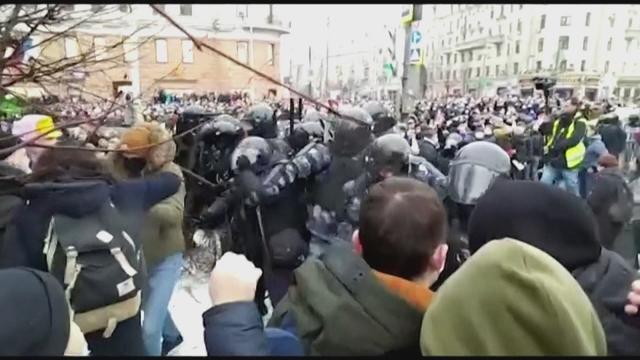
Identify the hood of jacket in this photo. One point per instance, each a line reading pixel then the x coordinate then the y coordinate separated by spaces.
pixel 511 299
pixel 342 307
pixel 607 284
pixel 74 199
pixel 549 218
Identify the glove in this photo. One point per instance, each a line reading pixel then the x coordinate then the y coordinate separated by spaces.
pixel 243 163
pixel 248 182
pixel 214 215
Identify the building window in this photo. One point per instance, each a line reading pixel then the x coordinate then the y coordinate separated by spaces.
pixel 448 59
pixel 97 8
pixel 543 21
pixel 125 8
pixel 448 74
pixel 627 93
pixel 538 65
pixel 477 72
pixel 461 57
pixel 587 20
pixel 187 51
pixel 185 9
pixel 609 43
pixel 521 6
pixel 492 13
pixel 517 46
pixel 563 43
pixel 515 68
pixel 270 54
pixel 630 23
pixel 455 75
pixel 498 50
pixel 455 58
pixel 508 49
pixel 497 70
pixel 129 51
pixel 519 27
pixel 606 66
pixel 565 20
pixel 583 65
pixel 161 51
pixel 540 44
pixel 563 65
pixel 99 48
pixel 71 47
pixel 585 43
pixel 486 71
pixel 160 7
pixel 242 51
pixel 501 10
pixel 612 20
pixel 510 28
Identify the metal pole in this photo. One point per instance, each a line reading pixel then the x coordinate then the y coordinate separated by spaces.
pixel 405 70
pixel 291 112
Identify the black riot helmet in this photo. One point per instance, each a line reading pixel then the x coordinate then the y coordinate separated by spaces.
pixel 352 132
pixel 215 142
pixel 389 153
pixel 252 153
pixel 304 133
pixel 260 119
pixel 382 120
pixel 474 169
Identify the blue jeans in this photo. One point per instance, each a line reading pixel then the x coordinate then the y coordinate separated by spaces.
pixel 553 176
pixel 163 278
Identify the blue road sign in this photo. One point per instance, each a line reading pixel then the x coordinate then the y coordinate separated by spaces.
pixel 416 37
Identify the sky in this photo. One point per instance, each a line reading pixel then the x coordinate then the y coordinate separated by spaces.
pixel 347 23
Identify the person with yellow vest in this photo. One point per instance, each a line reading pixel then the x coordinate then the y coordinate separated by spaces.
pixel 564 148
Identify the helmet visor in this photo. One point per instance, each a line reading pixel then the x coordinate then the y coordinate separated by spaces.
pixel 468 182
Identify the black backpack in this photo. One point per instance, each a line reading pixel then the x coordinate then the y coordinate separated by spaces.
pixel 100 266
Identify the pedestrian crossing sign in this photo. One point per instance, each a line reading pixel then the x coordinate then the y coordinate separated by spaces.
pixel 416 56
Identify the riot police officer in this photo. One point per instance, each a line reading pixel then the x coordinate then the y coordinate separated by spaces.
pixel 327 212
pixel 266 209
pixel 261 120
pixel 390 155
pixel 383 122
pixel 473 170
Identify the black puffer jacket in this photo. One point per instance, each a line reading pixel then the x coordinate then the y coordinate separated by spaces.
pixel 607 284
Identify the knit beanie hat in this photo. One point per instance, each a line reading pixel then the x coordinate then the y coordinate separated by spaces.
pixel 34 312
pixel 549 218
pixel 511 299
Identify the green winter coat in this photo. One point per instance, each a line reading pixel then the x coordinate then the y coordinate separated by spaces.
pixel 511 299
pixel 340 307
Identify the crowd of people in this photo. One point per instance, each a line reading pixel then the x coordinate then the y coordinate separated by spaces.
pixel 474 226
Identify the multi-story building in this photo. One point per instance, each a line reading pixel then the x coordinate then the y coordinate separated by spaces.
pixel 592 50
pixel 156 55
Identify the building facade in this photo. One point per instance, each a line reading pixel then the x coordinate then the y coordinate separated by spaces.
pixel 592 50
pixel 156 55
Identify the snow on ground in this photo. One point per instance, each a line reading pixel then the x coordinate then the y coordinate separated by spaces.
pixel 190 299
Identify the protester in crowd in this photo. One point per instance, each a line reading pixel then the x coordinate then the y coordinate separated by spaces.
pixel 10 170
pixel 344 304
pixel 611 200
pixel 564 147
pixel 37 130
pixel 595 149
pixel 564 227
pixel 36 316
pixel 511 299
pixel 613 135
pixel 162 237
pixel 75 184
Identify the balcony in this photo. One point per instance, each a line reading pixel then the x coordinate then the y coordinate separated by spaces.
pixel 480 43
pixel 632 33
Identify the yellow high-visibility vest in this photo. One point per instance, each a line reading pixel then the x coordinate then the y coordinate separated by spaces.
pixel 575 154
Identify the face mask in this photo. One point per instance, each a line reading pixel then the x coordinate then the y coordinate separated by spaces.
pixel 134 166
